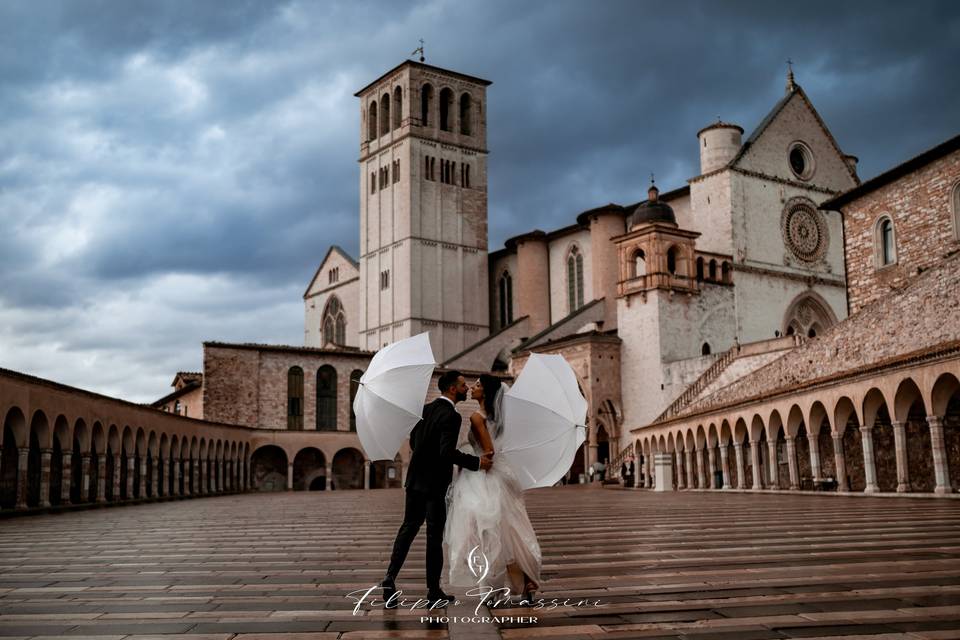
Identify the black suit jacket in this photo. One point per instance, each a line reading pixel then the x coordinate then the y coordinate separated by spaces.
pixel 434 445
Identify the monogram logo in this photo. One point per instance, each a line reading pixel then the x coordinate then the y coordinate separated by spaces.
pixel 478 563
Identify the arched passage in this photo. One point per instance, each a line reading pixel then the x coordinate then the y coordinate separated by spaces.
pixel 309 470
pixel 348 469
pixel 269 468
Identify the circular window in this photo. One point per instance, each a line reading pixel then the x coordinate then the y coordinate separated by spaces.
pixel 801 160
pixel 804 230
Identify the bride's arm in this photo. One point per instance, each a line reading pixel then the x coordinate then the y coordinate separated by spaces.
pixel 479 427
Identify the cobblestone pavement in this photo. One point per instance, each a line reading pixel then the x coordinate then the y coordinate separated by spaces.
pixel 683 565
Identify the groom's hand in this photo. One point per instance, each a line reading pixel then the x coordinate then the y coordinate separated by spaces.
pixel 486 461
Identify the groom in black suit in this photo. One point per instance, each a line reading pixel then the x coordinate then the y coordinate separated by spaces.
pixel 434 445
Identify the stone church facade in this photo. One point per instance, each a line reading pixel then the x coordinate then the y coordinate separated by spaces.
pixel 752 329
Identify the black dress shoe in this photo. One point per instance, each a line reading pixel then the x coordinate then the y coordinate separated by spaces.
pixel 438 596
pixel 389 588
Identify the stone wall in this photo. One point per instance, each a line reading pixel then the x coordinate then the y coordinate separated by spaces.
pixel 921 208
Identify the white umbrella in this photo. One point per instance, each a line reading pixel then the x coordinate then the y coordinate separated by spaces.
pixel 543 416
pixel 390 399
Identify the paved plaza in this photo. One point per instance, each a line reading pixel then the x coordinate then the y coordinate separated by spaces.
pixel 683 565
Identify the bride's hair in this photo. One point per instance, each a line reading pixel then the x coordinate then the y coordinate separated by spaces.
pixel 491 384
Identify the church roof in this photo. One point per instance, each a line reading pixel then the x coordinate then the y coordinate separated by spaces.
pixel 287 348
pixel 896 172
pixel 428 67
pixel 338 249
pixel 860 344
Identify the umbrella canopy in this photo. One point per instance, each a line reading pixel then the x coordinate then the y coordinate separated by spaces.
pixel 390 399
pixel 543 415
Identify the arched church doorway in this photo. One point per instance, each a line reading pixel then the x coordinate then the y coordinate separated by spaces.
pixel 268 467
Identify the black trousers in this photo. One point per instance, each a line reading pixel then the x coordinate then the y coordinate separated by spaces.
pixel 421 506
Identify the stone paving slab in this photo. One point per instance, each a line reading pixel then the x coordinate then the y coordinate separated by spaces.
pixel 692 565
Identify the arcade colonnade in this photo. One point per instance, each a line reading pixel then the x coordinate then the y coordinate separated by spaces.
pixel 63 446
pixel 894 432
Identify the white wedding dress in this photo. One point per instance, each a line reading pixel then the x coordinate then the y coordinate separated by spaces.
pixel 487 509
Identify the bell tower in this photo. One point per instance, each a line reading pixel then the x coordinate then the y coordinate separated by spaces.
pixel 423 208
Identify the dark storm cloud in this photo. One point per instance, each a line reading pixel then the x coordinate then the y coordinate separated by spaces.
pixel 172 171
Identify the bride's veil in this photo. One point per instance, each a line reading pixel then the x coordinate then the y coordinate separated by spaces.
pixel 496 429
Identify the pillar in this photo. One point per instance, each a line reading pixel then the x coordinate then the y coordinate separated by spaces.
pixel 289 476
pixel 195 474
pixel 712 459
pixel 688 463
pixel 366 474
pixel 738 458
pixel 205 476
pixel 648 466
pixel 175 474
pixel 869 464
pixel 839 462
pixel 725 465
pixel 67 477
pixel 84 477
pixel 900 445
pixel 701 481
pixel 130 466
pixel 102 478
pixel 940 470
pixel 329 472
pixel 154 478
pixel 681 477
pixel 663 463
pixel 774 467
pixel 755 463
pixel 23 454
pixel 116 476
pixel 814 443
pixel 142 491
pixel 45 456
pixel 792 463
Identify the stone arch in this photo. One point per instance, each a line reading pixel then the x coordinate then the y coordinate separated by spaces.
pixel 15 435
pixel 807 313
pixel 397 106
pixel 309 470
pixel 884 242
pixel 848 447
pixel 446 113
pixel 385 113
pixel 347 469
pixel 910 408
pixel 268 468
pixel 466 117
pixel 426 104
pixel 79 447
pixel 372 122
pixel 39 438
pixel 945 404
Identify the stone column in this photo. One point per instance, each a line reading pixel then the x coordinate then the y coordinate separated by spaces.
pixel 591 452
pixel 701 481
pixel 102 478
pixel 738 456
pixel 23 455
pixel 688 463
pixel 900 445
pixel 289 476
pixel 839 462
pixel 175 474
pixel 130 466
pixel 725 465
pixel 792 463
pixel 869 465
pixel 681 477
pixel 940 469
pixel 755 463
pixel 154 478
pixel 205 477
pixel 116 477
pixel 67 477
pixel 45 456
pixel 142 491
pixel 329 472
pixel 84 477
pixel 366 474
pixel 648 464
pixel 167 478
pixel 814 443
pixel 712 459
pixel 774 467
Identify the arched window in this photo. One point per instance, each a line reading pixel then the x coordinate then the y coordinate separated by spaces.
pixel 575 279
pixel 885 242
pixel 355 376
pixel 426 102
pixel 446 101
pixel 505 286
pixel 639 263
pixel 385 114
pixel 295 399
pixel 372 122
pixel 672 260
pixel 465 124
pixel 705 349
pixel 334 322
pixel 713 270
pixel 326 398
pixel 700 266
pixel 397 107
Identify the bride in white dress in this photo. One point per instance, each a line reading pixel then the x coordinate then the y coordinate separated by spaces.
pixel 487 509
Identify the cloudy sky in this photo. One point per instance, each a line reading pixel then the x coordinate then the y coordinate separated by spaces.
pixel 172 172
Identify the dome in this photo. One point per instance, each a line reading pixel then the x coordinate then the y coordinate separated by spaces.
pixel 653 210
